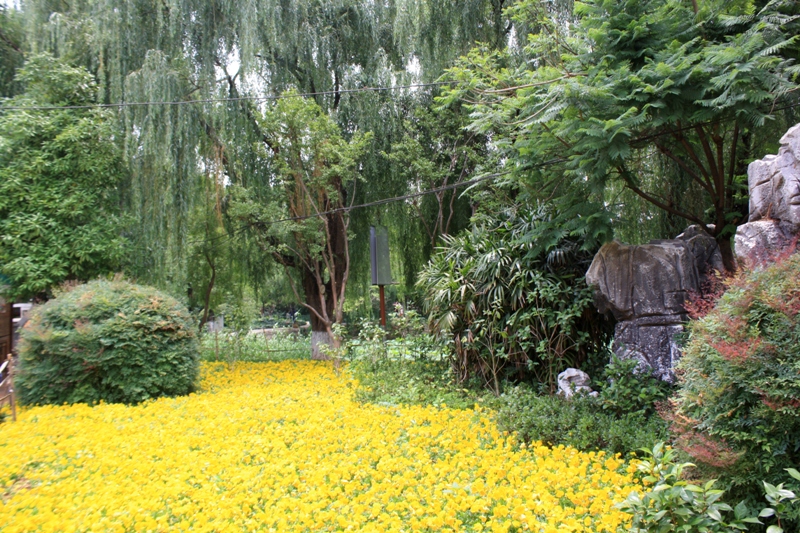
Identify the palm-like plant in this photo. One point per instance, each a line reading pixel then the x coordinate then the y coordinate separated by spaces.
pixel 509 306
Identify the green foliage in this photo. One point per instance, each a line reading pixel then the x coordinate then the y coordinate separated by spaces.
pixel 12 44
pixel 579 422
pixel 403 365
pixel 435 151
pixel 630 391
pixel 411 382
pixel 740 378
pixel 109 341
pixel 404 340
pixel 674 504
pixel 783 503
pixel 299 215
pixel 605 91
pixel 60 178
pixel 512 305
pixel 254 348
pixel 196 50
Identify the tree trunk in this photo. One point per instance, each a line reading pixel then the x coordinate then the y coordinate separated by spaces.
pixel 326 311
pixel 319 329
pixel 210 287
pixel 728 256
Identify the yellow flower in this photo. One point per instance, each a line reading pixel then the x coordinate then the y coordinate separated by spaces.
pixel 284 447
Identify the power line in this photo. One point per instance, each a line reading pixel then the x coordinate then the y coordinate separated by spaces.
pixel 382 201
pixel 463 183
pixel 222 100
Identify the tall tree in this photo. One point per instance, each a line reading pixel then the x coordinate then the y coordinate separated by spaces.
pixel 435 152
pixel 154 51
pixel 301 214
pixel 60 177
pixel 692 81
pixel 12 47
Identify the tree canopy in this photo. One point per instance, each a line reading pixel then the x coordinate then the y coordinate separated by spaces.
pixel 301 218
pixel 624 82
pixel 61 175
pixel 620 116
pixel 143 51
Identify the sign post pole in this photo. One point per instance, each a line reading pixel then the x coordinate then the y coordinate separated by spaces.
pixel 381 267
pixel 383 306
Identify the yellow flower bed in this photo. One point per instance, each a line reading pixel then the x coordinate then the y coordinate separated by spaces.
pixel 283 447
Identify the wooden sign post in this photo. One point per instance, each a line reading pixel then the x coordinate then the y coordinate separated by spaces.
pixel 381 267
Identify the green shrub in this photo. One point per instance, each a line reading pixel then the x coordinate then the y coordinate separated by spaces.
pixel 513 306
pixel 674 504
pixel 738 408
pixel 628 390
pixel 579 422
pixel 107 341
pixel 229 346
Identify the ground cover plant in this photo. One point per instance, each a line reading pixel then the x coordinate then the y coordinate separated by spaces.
pixel 110 341
pixel 579 422
pixel 283 447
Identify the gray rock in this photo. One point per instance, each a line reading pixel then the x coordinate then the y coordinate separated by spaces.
pixel 704 248
pixel 572 380
pixel 652 342
pixel 774 183
pixel 757 242
pixel 645 288
pixel 774 222
pixel 652 279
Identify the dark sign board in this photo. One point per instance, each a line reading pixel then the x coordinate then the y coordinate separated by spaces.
pixel 379 256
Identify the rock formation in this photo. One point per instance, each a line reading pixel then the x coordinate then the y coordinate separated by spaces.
pixel 774 184
pixel 572 381
pixel 645 288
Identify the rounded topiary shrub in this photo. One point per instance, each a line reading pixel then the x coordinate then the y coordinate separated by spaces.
pixel 109 341
pixel 738 408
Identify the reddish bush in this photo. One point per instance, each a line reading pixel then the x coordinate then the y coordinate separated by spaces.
pixel 737 408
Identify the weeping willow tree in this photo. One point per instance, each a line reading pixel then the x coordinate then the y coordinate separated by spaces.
pixel 201 73
pixel 301 217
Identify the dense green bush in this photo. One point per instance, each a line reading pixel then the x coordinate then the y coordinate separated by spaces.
pixel 738 410
pixel 513 308
pixel 628 390
pixel 109 341
pixel 579 422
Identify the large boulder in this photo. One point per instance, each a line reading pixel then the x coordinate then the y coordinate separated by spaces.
pixel 651 340
pixel 645 287
pixel 774 184
pixel 652 279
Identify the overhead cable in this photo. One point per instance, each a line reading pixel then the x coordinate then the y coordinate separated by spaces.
pixel 223 100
